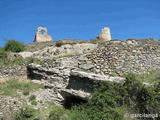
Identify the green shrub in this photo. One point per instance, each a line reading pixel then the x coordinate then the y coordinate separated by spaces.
pixel 34 60
pixel 32 97
pixel 4 61
pixel 34 102
pixel 56 114
pixel 132 85
pixel 94 41
pixel 150 77
pixel 14 46
pixel 3 55
pixel 25 113
pixel 59 43
pixel 110 101
pixel 26 92
pixel 107 102
pixel 16 61
pixel 1 48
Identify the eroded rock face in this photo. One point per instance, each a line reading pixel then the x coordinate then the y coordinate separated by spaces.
pixel 68 82
pixel 42 37
pixel 105 34
pixel 57 77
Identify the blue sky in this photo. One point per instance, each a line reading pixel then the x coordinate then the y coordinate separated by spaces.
pixel 79 19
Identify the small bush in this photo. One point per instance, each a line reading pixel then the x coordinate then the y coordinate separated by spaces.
pixel 5 61
pixel 26 92
pixel 34 102
pixel 25 113
pixel 1 48
pixel 59 43
pixel 14 46
pixel 132 86
pixel 34 60
pixel 94 41
pixel 32 97
pixel 3 54
pixel 57 114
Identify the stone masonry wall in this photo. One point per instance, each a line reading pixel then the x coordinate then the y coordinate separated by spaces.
pixel 132 55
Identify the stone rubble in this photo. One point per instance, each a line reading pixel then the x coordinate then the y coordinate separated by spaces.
pixel 8 105
pixel 13 72
pixel 65 50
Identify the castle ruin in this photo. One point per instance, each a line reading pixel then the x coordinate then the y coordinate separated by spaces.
pixel 41 35
pixel 105 34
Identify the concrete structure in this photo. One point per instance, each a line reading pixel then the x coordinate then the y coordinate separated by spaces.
pixel 42 37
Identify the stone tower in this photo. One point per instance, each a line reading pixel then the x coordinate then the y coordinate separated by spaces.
pixel 105 34
pixel 42 37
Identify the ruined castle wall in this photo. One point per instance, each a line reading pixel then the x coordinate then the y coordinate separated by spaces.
pixel 119 57
pixel 39 37
pixel 105 34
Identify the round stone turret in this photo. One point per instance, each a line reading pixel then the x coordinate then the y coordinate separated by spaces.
pixel 105 34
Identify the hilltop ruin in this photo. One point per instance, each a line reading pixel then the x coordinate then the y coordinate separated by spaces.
pixel 41 35
pixel 104 35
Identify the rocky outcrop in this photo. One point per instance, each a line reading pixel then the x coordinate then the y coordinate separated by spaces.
pixel 25 54
pixel 57 77
pixel 95 77
pixel 12 56
pixel 44 96
pixel 35 46
pixel 80 94
pixel 68 82
pixel 42 37
pixel 84 81
pixel 75 77
pixel 73 41
pixel 65 50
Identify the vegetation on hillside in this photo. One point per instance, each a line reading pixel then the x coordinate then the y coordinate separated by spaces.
pixel 110 101
pixel 11 46
pixel 4 61
pixel 59 44
pixel 10 87
pixel 94 41
pixel 14 46
pixel 3 54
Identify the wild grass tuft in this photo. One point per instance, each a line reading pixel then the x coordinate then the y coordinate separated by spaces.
pixel 10 87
